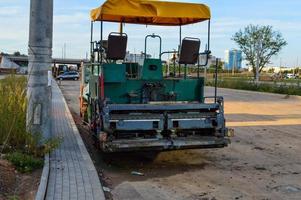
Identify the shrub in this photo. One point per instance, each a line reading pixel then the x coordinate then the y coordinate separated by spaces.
pixel 38 146
pixel 13 197
pixel 24 163
pixel 242 84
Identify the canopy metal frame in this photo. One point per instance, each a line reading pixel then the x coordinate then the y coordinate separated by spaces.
pixel 206 53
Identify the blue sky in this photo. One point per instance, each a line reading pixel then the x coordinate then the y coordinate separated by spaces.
pixel 72 26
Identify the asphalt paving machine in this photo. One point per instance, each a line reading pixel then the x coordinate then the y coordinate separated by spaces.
pixel 138 107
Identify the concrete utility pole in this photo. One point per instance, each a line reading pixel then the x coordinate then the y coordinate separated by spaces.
pixel 40 53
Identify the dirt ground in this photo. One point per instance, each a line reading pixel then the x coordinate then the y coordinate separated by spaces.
pixel 263 162
pixel 14 185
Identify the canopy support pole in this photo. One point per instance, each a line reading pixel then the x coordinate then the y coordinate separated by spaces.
pixel 180 36
pixel 215 81
pixel 174 64
pixel 91 43
pixel 199 66
pixel 209 30
pixel 179 48
pixel 101 41
pixel 121 28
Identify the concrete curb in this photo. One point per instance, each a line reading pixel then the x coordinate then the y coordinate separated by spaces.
pixel 44 180
pixel 42 190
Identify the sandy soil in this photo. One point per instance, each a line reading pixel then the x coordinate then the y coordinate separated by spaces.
pixel 263 162
pixel 14 184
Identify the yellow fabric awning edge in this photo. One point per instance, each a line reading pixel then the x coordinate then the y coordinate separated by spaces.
pixel 151 12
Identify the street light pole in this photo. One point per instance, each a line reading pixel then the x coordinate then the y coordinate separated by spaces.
pixel 38 119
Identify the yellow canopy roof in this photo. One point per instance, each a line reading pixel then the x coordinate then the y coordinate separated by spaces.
pixel 151 12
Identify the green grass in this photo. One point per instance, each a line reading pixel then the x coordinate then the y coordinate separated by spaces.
pixel 13 134
pixel 241 84
pixel 292 81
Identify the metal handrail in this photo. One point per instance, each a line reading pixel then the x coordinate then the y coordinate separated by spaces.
pixel 152 36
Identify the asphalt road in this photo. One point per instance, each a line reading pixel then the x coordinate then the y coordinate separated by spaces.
pixel 263 162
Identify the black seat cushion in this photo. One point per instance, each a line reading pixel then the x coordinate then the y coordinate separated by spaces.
pixel 189 51
pixel 116 47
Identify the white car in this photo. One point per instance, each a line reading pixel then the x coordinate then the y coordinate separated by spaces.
pixel 290 76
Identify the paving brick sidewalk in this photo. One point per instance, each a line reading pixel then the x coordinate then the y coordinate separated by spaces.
pixel 72 173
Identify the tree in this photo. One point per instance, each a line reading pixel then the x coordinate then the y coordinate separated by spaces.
pixel 259 44
pixel 271 70
pixel 17 53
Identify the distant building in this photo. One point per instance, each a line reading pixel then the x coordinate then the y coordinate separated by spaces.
pixel 136 58
pixel 211 60
pixel 202 61
pixel 233 59
pixel 6 65
pixel 271 69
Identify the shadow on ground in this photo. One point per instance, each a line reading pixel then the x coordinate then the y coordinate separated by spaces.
pixel 119 166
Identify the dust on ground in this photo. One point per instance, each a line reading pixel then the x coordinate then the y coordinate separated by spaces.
pixel 263 162
pixel 14 184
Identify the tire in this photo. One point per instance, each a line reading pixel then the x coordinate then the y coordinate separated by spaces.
pixel 75 79
pixel 61 79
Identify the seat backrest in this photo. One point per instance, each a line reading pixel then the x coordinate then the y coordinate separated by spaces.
pixel 117 46
pixel 189 51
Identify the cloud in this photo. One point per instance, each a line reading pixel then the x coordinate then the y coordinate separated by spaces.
pixel 14 27
pixel 75 18
pixel 8 11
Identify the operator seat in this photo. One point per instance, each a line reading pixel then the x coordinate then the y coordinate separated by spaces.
pixel 117 43
pixel 189 51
